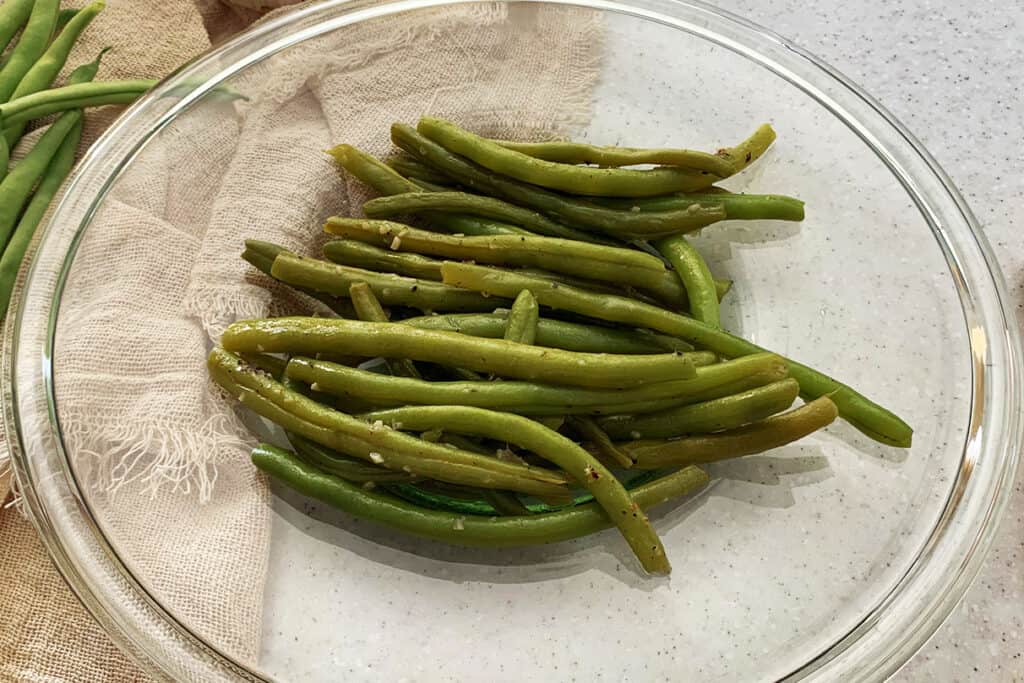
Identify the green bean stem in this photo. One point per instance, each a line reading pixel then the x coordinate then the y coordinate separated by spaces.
pixel 368 308
pixel 867 416
pixel 30 46
pixel 498 532
pixel 612 156
pixel 78 96
pixel 693 272
pixel 261 255
pixel 755 438
pixel 550 445
pixel 309 336
pixel 521 326
pixel 578 213
pixel 581 180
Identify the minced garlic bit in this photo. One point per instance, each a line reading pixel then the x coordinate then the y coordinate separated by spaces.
pixel 314 386
pixel 460 523
pixel 634 435
pixel 369 486
pixel 259 347
pixel 396 243
pixel 376 457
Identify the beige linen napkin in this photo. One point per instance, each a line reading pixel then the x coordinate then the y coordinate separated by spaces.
pixel 158 446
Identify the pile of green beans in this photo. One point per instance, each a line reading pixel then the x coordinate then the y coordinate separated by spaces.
pixel 37 37
pixel 548 356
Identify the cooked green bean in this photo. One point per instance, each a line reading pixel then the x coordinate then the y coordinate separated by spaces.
pixel 871 418
pixel 529 398
pixel 16 188
pixel 591 261
pixel 385 181
pixel 521 325
pixel 368 308
pixel 57 170
pixel 262 254
pixel 428 498
pixel 376 443
pixel 312 335
pixel 755 438
pixel 727 412
pixel 751 149
pixel 581 180
pixel 391 290
pixel 750 207
pixel 508 531
pixel 693 272
pixel 42 73
pixel 31 45
pixel 558 334
pixel 552 446
pixel 612 156
pixel 505 502
pixel 578 213
pixel 602 443
pixel 368 257
pixel 473 205
pixel 349 469
pixel 414 170
pixel 78 96
pixel 13 15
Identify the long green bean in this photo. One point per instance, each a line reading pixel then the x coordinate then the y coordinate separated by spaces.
pixel 755 438
pixel 613 156
pixel 414 170
pixel 368 257
pixel 558 334
pixel 368 308
pixel 727 412
pixel 473 205
pixel 43 72
pixel 78 96
pixel 31 45
pixel 312 335
pixel 521 326
pixel 550 445
pixel 349 469
pixel 391 290
pixel 530 398
pixel 751 149
pixel 378 444
pixel 693 272
pixel 499 532
pixel 578 213
pixel 737 206
pixel 599 439
pixel 261 255
pixel 581 180
pixel 13 15
pixel 865 415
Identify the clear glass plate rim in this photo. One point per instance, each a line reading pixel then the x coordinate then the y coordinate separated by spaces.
pixel 658 10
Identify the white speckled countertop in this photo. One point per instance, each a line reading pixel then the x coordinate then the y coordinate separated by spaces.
pixel 951 72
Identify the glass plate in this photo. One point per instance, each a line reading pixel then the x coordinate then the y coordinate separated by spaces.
pixel 832 559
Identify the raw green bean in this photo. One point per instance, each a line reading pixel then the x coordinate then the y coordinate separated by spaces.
pixel 43 72
pixel 13 15
pixel 385 181
pixel 31 45
pixel 521 326
pixel 589 430
pixel 378 444
pixel 578 213
pixel 727 412
pixel 262 254
pixel 867 416
pixel 591 261
pixel 40 104
pixel 581 180
pixel 529 398
pixel 368 257
pixel 368 308
pixel 473 205
pixel 695 275
pixel 751 207
pixel 391 290
pixel 755 438
pixel 339 465
pixel 613 156
pixel 552 446
pixel 57 170
pixel 509 531
pixel 312 335
pixel 412 169
pixel 16 188
pixel 557 334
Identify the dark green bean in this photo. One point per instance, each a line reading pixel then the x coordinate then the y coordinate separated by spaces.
pixel 614 156
pixel 312 335
pixel 458 529
pixel 693 272
pixel 578 213
pixel 755 438
pixel 521 326
pixel 506 502
pixel 349 469
pixel 78 96
pixel 368 308
pixel 552 446
pixel 727 412
pixel 31 45
pixel 13 15
pixel 262 254
pixel 581 180
pixel 391 290
pixel 869 417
